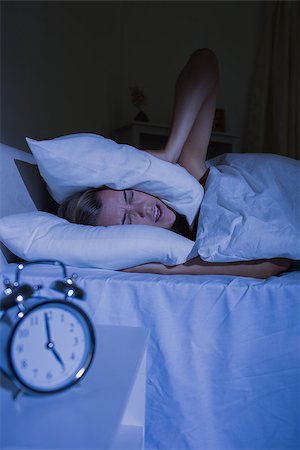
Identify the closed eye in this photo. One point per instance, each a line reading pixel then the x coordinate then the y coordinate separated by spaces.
pixel 126 200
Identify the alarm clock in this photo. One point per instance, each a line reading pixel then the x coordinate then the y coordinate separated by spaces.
pixel 47 345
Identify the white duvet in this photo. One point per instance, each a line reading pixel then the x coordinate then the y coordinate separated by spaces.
pixel 250 208
pixel 223 360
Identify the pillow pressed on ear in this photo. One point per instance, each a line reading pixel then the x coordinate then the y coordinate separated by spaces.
pixel 250 208
pixel 14 195
pixel 40 235
pixel 77 162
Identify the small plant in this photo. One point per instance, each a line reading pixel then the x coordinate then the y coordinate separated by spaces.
pixel 138 97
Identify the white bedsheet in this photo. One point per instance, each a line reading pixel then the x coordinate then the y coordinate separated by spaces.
pixel 223 358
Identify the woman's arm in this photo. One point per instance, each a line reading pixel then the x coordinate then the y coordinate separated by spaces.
pixel 263 268
pixel 193 113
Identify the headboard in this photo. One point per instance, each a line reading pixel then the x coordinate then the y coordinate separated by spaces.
pixel 22 189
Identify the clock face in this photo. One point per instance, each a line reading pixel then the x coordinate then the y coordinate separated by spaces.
pixel 51 347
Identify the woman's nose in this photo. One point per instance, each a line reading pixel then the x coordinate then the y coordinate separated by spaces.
pixel 137 209
pixel 140 209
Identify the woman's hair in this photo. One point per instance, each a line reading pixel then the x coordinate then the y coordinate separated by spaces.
pixel 181 227
pixel 82 207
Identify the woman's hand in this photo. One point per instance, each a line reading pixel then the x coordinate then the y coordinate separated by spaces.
pixel 161 154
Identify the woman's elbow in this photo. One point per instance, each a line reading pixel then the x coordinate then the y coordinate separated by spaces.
pixel 205 54
pixel 205 61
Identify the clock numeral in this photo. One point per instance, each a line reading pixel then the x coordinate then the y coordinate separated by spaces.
pixel 49 375
pixel 76 340
pixel 35 372
pixel 72 356
pixel 34 321
pixel 72 327
pixel 20 348
pixel 24 363
pixel 62 318
pixel 24 333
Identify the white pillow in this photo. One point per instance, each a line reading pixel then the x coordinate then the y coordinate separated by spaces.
pixel 14 196
pixel 80 161
pixel 40 235
pixel 251 208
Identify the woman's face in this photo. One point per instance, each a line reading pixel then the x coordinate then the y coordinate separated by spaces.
pixel 133 207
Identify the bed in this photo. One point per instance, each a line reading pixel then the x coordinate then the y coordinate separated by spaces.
pixel 224 352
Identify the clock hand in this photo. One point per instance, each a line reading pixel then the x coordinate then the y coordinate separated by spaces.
pixel 50 344
pixel 47 327
pixel 56 355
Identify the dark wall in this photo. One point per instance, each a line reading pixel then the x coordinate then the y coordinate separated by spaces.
pixel 58 68
pixel 66 66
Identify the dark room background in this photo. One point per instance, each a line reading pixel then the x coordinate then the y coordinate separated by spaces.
pixel 67 66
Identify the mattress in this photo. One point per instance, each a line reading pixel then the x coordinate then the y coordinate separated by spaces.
pixel 223 356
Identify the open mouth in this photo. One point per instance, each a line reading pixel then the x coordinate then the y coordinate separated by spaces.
pixel 157 213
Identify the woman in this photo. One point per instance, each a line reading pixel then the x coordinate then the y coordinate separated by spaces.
pixel 193 114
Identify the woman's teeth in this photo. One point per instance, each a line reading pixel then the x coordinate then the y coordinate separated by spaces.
pixel 156 213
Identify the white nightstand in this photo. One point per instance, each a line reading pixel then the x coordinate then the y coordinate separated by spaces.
pixel 146 135
pixel 107 410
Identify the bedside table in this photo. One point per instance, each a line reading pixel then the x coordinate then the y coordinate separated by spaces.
pixel 151 136
pixel 105 410
pixel 143 135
